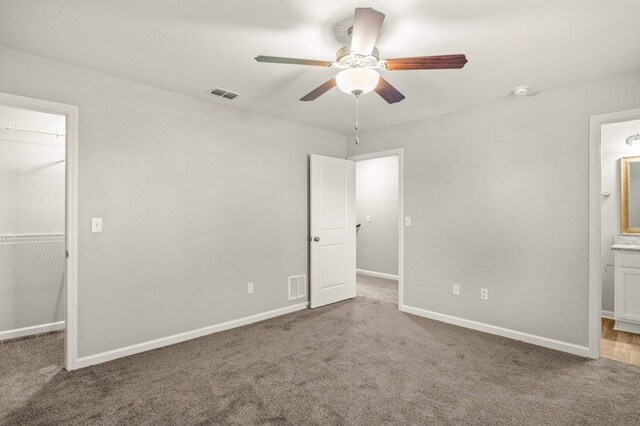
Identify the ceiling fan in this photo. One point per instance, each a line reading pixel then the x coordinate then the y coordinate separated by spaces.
pixel 360 61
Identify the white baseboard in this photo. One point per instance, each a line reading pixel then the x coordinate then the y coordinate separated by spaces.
pixel 607 314
pixel 629 327
pixel 34 329
pixel 377 274
pixel 500 331
pixel 181 337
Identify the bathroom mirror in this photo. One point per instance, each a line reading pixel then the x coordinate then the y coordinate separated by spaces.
pixel 630 195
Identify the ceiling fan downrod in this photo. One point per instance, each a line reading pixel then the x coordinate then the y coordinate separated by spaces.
pixel 357 136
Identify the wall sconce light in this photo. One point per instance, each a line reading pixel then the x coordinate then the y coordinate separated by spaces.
pixel 632 140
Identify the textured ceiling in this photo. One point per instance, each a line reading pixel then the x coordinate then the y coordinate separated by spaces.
pixel 192 45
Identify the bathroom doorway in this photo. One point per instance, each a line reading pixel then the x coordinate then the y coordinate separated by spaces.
pixel 379 226
pixel 615 303
pixel 38 230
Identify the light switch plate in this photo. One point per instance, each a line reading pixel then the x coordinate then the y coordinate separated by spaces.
pixel 368 218
pixel 407 221
pixel 96 224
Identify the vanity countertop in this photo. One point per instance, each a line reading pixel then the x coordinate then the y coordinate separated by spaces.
pixel 626 243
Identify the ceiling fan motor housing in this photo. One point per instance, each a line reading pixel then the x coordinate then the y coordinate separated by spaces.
pixel 346 59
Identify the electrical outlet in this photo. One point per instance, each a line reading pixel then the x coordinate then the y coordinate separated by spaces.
pixel 250 288
pixel 484 293
pixel 456 289
pixel 407 221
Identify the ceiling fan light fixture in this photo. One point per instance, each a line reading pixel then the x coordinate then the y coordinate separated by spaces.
pixel 357 81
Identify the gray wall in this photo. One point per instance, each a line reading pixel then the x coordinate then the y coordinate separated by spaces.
pixel 498 195
pixel 197 200
pixel 32 193
pixel 614 147
pixel 377 196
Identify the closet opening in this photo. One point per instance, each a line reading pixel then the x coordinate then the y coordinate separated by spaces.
pixel 37 231
pixel 379 226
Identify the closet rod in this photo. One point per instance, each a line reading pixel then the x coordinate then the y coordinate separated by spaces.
pixel 33 131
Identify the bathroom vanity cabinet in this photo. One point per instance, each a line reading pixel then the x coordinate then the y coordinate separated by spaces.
pixel 627 286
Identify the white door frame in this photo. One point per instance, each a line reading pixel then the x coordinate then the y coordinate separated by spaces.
pixel 595 206
pixel 71 214
pixel 399 152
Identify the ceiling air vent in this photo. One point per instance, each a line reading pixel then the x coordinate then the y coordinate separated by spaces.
pixel 223 93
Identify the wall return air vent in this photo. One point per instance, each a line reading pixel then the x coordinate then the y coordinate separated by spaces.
pixel 223 93
pixel 297 286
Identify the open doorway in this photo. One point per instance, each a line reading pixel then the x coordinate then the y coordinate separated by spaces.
pixel 38 230
pixel 32 231
pixel 614 234
pixel 620 335
pixel 379 225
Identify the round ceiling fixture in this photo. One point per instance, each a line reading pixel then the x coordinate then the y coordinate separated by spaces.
pixel 521 90
pixel 356 81
pixel 634 139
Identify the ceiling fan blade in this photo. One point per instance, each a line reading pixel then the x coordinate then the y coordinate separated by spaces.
pixel 366 27
pixel 320 90
pixel 388 92
pixel 426 63
pixel 294 61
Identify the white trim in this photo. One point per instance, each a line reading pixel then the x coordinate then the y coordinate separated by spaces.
pixel 500 331
pixel 607 314
pixel 628 327
pixel 595 196
pixel 389 153
pixel 377 274
pixel 181 337
pixel 71 231
pixel 34 329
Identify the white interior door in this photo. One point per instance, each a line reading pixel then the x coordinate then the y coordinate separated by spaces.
pixel 333 230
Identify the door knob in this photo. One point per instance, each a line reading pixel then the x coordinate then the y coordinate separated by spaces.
pixel 316 239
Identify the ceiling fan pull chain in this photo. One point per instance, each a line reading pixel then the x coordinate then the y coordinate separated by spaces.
pixel 357 132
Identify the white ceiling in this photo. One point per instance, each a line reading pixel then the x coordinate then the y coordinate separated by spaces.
pixel 189 46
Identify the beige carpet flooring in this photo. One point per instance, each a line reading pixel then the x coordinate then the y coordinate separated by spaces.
pixel 356 362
